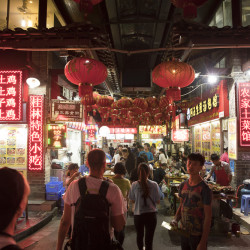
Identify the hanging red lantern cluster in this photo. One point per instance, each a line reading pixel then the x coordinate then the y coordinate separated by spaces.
pixel 105 101
pixel 86 73
pixel 189 6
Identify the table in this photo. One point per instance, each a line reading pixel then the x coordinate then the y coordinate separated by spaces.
pixel 170 179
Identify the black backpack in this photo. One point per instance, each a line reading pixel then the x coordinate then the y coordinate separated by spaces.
pixel 91 221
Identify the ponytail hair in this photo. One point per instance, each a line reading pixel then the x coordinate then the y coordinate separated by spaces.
pixel 143 172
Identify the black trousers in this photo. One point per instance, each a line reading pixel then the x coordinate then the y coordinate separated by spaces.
pixel 120 236
pixel 190 243
pixel 147 221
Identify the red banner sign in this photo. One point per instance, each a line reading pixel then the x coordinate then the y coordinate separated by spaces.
pixel 36 115
pixel 10 95
pixel 123 130
pixel 180 135
pixel 244 113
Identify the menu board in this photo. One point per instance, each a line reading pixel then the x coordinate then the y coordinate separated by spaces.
pixel 197 139
pixel 206 138
pixel 215 137
pixel 13 146
pixel 232 138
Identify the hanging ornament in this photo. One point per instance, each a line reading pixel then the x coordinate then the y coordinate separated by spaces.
pixel 105 101
pixel 86 73
pixel 173 94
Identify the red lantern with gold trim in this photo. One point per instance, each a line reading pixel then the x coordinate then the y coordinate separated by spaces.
pixel 152 102
pixel 124 102
pixel 85 72
pixel 140 103
pixel 189 6
pixel 104 101
pixel 173 75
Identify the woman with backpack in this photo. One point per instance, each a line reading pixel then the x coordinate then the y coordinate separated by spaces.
pixel 145 194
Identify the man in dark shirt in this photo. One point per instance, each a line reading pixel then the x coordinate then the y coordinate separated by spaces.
pixel 160 173
pixel 195 211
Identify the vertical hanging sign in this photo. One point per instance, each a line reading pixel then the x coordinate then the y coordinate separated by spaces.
pixel 244 113
pixel 11 95
pixel 36 115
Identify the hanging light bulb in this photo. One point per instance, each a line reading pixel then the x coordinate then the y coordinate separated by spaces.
pixel 23 23
pixel 33 82
pixel 30 23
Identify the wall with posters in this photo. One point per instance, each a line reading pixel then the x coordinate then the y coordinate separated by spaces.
pixel 206 138
pixel 13 147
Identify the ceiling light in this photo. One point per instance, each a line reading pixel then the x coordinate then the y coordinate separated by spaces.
pixel 33 82
pixel 212 79
pixel 87 61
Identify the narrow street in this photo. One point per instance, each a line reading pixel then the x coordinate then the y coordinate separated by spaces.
pixel 46 238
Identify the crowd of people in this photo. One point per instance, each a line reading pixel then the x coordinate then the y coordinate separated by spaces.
pixel 95 208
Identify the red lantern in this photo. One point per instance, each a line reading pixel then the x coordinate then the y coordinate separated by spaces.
pixel 85 72
pixel 140 103
pixel 164 102
pixel 123 112
pixel 158 116
pixel 114 105
pixel 152 102
pixel 189 6
pixel 124 102
pixel 147 114
pixel 173 74
pixel 104 101
pixel 136 110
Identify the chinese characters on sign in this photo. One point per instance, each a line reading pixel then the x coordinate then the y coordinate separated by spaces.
pixel 35 156
pixel 152 129
pixel 57 135
pixel 180 135
pixel 203 106
pixel 66 111
pixel 123 130
pixel 244 113
pixel 10 95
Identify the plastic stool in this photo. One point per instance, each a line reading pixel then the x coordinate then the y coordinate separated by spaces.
pixel 245 204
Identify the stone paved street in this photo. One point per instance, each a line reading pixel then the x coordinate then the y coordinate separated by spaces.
pixel 46 238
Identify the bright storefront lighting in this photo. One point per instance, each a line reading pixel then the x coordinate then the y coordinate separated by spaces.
pixel 33 82
pixel 104 131
pixel 212 79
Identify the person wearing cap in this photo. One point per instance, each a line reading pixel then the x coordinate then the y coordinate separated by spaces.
pixel 14 192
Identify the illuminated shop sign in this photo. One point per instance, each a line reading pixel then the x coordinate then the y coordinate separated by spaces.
pixel 180 135
pixel 157 129
pixel 57 134
pixel 244 113
pixel 36 116
pixel 123 130
pixel 203 106
pixel 10 95
pixel 64 110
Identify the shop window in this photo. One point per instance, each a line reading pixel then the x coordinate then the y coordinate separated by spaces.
pixel 54 18
pixel 223 16
pixel 221 64
pixel 23 14
pixel 245 12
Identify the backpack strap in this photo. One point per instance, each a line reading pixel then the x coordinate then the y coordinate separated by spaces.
pixel 104 188
pixel 82 186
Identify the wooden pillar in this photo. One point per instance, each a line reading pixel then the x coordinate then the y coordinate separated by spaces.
pixel 236 13
pixel 42 14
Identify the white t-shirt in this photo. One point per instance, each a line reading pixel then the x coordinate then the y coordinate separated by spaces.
pixel 114 196
pixel 117 158
pixel 162 158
